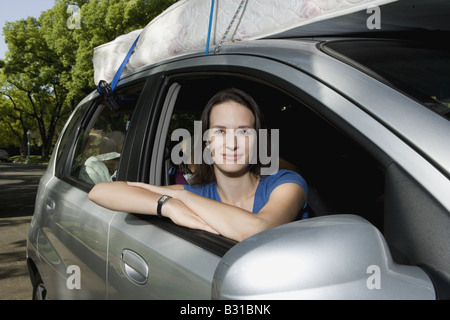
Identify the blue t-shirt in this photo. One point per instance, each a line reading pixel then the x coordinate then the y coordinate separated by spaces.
pixel 265 187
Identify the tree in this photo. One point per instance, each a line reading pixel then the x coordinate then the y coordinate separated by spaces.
pixel 35 70
pixel 14 122
pixel 49 66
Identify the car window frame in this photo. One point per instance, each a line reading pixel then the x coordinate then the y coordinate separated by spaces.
pixel 288 78
pixel 216 244
pixel 85 118
pixel 72 131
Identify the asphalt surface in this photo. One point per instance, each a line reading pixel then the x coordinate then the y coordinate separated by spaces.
pixel 18 187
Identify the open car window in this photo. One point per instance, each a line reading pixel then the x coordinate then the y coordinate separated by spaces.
pixel 341 175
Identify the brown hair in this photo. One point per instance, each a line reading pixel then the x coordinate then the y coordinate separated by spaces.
pixel 204 173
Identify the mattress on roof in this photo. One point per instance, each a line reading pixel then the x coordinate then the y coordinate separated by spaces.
pixel 184 28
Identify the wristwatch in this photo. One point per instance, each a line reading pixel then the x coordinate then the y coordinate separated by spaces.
pixel 161 201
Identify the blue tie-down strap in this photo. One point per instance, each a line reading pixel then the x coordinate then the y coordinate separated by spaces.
pixel 210 27
pixel 108 89
pixel 122 66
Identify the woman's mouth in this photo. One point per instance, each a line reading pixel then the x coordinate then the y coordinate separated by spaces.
pixel 231 157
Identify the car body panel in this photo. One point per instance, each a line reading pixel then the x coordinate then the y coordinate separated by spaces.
pixel 177 269
pixel 69 236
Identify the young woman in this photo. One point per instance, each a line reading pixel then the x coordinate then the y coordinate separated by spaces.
pixel 228 197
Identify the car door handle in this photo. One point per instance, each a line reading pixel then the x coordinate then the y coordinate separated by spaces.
pixel 134 266
pixel 50 205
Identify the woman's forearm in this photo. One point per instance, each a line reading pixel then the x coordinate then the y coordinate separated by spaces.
pixel 119 196
pixel 231 221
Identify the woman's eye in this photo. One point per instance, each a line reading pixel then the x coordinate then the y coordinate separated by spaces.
pixel 244 132
pixel 237 132
pixel 219 131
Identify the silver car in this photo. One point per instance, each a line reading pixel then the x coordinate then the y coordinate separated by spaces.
pixel 365 122
pixel 4 156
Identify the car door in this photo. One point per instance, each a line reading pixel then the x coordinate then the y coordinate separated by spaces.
pixel 147 260
pixel 73 237
pixel 151 258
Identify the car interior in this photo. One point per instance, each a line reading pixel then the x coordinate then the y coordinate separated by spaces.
pixel 342 177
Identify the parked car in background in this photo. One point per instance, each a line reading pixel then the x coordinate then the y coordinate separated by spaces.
pixel 4 156
pixel 364 120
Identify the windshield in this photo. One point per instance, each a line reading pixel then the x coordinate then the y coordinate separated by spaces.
pixel 420 71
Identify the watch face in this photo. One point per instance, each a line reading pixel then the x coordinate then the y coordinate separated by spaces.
pixel 163 199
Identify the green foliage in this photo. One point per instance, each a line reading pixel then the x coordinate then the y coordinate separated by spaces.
pixel 48 67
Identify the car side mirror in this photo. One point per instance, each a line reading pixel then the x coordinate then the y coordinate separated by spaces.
pixel 329 257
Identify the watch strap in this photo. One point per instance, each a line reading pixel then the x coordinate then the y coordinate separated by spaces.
pixel 161 201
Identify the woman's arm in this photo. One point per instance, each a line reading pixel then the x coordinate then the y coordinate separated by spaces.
pixel 233 222
pixel 119 196
pixel 236 223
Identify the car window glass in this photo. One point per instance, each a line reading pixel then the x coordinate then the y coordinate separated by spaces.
pixel 67 135
pixel 99 147
pixel 420 71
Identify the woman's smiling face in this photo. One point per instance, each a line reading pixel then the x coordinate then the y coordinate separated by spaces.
pixel 232 136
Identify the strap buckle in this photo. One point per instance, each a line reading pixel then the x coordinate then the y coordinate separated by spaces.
pixel 106 89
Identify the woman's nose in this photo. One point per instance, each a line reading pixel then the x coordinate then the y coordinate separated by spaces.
pixel 231 140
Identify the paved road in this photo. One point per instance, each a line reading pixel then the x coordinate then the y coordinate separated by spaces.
pixel 18 186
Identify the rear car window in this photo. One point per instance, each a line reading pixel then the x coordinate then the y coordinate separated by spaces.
pixel 98 147
pixel 421 71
